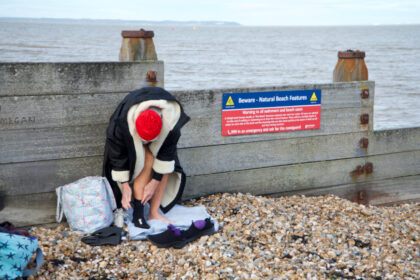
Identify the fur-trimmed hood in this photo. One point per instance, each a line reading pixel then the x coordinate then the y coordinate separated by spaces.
pixel 124 150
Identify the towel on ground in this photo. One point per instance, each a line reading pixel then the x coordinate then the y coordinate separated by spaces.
pixel 182 217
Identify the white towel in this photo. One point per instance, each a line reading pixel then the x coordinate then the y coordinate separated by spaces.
pixel 181 216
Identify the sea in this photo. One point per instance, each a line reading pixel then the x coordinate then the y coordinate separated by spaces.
pixel 205 57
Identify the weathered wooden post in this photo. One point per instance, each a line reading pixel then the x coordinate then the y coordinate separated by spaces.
pixel 137 45
pixel 350 67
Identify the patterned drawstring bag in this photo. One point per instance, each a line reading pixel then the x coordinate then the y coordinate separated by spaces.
pixel 87 203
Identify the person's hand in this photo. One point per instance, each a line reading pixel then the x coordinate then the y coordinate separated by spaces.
pixel 126 196
pixel 149 191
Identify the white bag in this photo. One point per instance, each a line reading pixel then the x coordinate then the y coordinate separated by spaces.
pixel 87 203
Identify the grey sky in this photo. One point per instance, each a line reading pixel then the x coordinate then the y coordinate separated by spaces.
pixel 247 12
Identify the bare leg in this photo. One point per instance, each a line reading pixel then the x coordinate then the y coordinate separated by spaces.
pixel 140 182
pixel 145 175
pixel 143 179
pixel 157 200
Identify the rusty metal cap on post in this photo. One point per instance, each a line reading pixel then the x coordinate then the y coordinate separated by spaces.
pixel 137 33
pixel 351 54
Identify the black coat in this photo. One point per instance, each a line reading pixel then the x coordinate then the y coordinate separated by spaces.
pixel 120 152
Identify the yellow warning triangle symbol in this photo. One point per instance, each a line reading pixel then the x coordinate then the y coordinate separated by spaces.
pixel 230 102
pixel 313 97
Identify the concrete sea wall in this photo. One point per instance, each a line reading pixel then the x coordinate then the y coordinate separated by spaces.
pixel 53 118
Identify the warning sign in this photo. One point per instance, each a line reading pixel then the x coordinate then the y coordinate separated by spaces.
pixel 230 101
pixel 313 97
pixel 267 112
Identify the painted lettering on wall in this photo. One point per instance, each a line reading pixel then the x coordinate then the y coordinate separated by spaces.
pixel 17 120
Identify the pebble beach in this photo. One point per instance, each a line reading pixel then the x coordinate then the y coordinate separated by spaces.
pixel 294 237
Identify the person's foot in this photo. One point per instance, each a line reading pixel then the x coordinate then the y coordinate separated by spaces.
pixel 158 216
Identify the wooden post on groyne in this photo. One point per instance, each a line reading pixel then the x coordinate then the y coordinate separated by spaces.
pixel 52 131
pixel 350 67
pixel 137 45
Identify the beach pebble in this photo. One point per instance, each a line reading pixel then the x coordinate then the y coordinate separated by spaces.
pixel 259 237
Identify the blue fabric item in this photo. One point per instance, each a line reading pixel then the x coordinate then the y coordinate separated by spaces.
pixel 15 253
pixel 181 216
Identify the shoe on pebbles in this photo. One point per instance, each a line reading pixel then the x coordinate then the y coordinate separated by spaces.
pixel 172 237
pixel 176 238
pixel 198 229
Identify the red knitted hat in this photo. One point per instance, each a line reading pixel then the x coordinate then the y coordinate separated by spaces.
pixel 148 125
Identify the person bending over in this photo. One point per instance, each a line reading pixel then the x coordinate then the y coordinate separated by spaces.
pixel 140 157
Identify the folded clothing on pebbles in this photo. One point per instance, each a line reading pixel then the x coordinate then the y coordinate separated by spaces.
pixel 293 237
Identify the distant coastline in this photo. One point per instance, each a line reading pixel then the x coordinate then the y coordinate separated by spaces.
pixel 119 21
pixel 171 22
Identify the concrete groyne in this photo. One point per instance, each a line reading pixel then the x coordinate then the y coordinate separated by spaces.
pixel 52 131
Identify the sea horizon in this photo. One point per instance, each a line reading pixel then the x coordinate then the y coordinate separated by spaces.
pixel 207 57
pixel 184 23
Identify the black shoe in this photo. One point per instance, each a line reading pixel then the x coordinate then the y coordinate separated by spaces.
pixel 105 236
pixel 171 237
pixel 198 229
pixel 138 215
